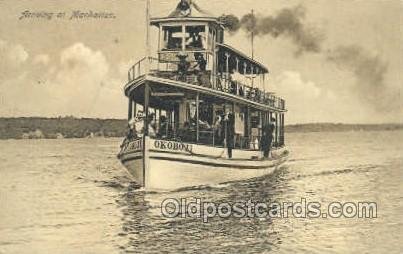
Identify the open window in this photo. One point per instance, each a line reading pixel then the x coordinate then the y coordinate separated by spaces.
pixel 173 38
pixel 195 38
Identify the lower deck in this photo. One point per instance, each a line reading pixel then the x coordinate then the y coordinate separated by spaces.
pixel 183 112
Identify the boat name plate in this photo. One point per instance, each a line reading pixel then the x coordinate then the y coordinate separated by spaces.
pixel 172 145
pixel 136 145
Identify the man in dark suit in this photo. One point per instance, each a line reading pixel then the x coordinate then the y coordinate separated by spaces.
pixel 267 138
pixel 230 133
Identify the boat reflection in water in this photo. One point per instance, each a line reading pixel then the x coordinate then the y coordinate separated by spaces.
pixel 143 220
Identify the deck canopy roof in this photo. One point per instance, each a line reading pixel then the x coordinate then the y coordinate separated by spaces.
pixel 157 21
pixel 242 58
pixel 193 13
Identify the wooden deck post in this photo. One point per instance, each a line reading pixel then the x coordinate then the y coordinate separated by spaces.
pixel 282 129
pixel 260 133
pixel 227 56
pixel 233 113
pixel 227 75
pixel 277 128
pixel 252 77
pixel 248 120
pixel 146 106
pixel 197 117
pixel 225 125
pixel 130 111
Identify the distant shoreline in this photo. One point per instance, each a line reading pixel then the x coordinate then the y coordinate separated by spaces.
pixel 71 127
pixel 340 127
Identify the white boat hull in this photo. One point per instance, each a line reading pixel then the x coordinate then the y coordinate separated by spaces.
pixel 161 165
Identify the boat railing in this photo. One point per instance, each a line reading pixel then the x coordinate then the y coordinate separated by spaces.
pixel 207 135
pixel 147 65
pixel 168 70
pixel 249 92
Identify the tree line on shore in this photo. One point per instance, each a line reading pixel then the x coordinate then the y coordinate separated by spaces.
pixel 61 127
pixel 71 127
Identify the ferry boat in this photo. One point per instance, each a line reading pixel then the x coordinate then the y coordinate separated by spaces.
pixel 200 111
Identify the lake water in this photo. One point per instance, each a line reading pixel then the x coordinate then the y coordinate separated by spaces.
pixel 73 196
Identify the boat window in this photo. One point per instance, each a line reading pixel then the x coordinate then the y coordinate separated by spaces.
pixel 195 37
pixel 172 37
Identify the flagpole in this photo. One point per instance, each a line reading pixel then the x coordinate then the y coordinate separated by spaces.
pixel 148 49
pixel 252 36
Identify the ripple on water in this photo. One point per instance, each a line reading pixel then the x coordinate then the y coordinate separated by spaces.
pixel 65 196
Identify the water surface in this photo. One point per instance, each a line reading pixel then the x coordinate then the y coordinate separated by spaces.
pixel 73 196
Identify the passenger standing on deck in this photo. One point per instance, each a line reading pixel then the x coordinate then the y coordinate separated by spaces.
pixel 152 126
pixel 230 133
pixel 217 128
pixel 267 139
pixel 201 62
pixel 202 78
pixel 183 66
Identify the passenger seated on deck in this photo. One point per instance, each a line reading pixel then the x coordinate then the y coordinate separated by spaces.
pixel 233 87
pixel 185 133
pixel 138 124
pixel 241 91
pixel 219 85
pixel 131 133
pixel 162 132
pixel 204 125
pixel 152 126
pixel 196 41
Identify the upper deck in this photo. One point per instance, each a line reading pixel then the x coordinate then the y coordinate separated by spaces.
pixel 199 89
pixel 191 50
pixel 217 85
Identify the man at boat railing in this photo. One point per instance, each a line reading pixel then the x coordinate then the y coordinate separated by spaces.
pixel 229 133
pixel 201 62
pixel 183 66
pixel 163 128
pixel 267 138
pixel 131 133
pixel 201 70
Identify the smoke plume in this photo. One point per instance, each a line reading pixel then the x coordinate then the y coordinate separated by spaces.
pixel 288 22
pixel 369 71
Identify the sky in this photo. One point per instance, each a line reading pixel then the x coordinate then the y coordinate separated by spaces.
pixel 332 60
